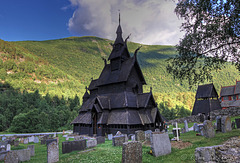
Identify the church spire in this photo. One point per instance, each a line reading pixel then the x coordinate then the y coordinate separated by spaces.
pixel 119 38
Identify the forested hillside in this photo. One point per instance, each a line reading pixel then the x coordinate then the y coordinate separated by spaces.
pixel 43 81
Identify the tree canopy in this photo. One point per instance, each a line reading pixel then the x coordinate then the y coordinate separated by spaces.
pixel 212 37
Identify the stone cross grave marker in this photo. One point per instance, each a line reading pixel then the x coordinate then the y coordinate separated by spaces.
pixel 177 129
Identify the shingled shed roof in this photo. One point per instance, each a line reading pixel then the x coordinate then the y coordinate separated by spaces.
pixel 206 91
pixel 205 106
pixel 83 117
pixel 108 77
pixel 227 91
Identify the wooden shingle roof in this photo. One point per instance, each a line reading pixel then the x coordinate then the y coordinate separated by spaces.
pixel 227 91
pixel 206 91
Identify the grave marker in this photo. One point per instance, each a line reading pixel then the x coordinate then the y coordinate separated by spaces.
pixel 237 120
pixel 226 124
pixel 11 157
pixel 132 152
pixel 32 150
pixel 110 136
pixel 52 152
pixel 139 135
pixel 208 130
pixel 186 125
pixel 8 147
pixel 177 131
pixel 118 140
pixel 36 140
pixel 91 143
pixel 160 144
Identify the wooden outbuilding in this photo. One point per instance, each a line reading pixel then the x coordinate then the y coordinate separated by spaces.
pixel 206 100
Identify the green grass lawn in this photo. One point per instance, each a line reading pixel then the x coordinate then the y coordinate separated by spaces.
pixel 105 153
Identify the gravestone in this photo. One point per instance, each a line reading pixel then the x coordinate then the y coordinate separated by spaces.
pixel 206 154
pixel 36 140
pixel 118 133
pixel 132 152
pixel 110 136
pixel 157 130
pixel 186 125
pixel 31 139
pixel 25 141
pixel 100 139
pixel 67 138
pixel 77 138
pixel 54 135
pixel 208 130
pixel 226 124
pixel 218 121
pixel 118 140
pixel 233 125
pixel 43 141
pixel 52 152
pixel 16 143
pixel 11 157
pixel 32 150
pixel 195 127
pixel 21 140
pixel 237 120
pixel 91 143
pixel 69 146
pixel 50 140
pixel 126 137
pixel 23 154
pixel 133 137
pixel 201 117
pixel 8 148
pixel 148 134
pixel 4 138
pixel 139 135
pixel 160 144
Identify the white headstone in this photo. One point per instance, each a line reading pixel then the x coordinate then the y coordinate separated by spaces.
pixel 36 140
pixel 110 136
pixel 31 139
pixel 8 147
pixel 67 138
pixel 133 137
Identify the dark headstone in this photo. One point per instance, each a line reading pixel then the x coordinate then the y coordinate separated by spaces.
pixel 118 140
pixel 140 135
pixel 233 125
pixel 237 120
pixel 100 139
pixel 202 117
pixel 218 121
pixel 50 140
pixel 16 143
pixel 132 152
pixel 52 152
pixel 208 130
pixel 69 146
pixel 43 141
pixel 226 125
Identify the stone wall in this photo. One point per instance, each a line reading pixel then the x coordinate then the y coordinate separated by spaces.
pixel 233 111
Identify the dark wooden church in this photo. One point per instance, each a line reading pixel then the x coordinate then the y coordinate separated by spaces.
pixel 116 101
pixel 206 100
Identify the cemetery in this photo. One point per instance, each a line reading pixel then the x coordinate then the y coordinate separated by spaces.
pixel 197 143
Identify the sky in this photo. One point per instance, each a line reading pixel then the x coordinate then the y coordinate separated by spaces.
pixel 151 22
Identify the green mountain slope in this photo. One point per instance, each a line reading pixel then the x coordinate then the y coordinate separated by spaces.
pixel 24 70
pixel 81 57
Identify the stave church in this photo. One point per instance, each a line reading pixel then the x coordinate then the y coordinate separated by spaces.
pixel 115 101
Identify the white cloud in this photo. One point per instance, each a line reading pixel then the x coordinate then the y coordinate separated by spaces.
pixel 149 22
